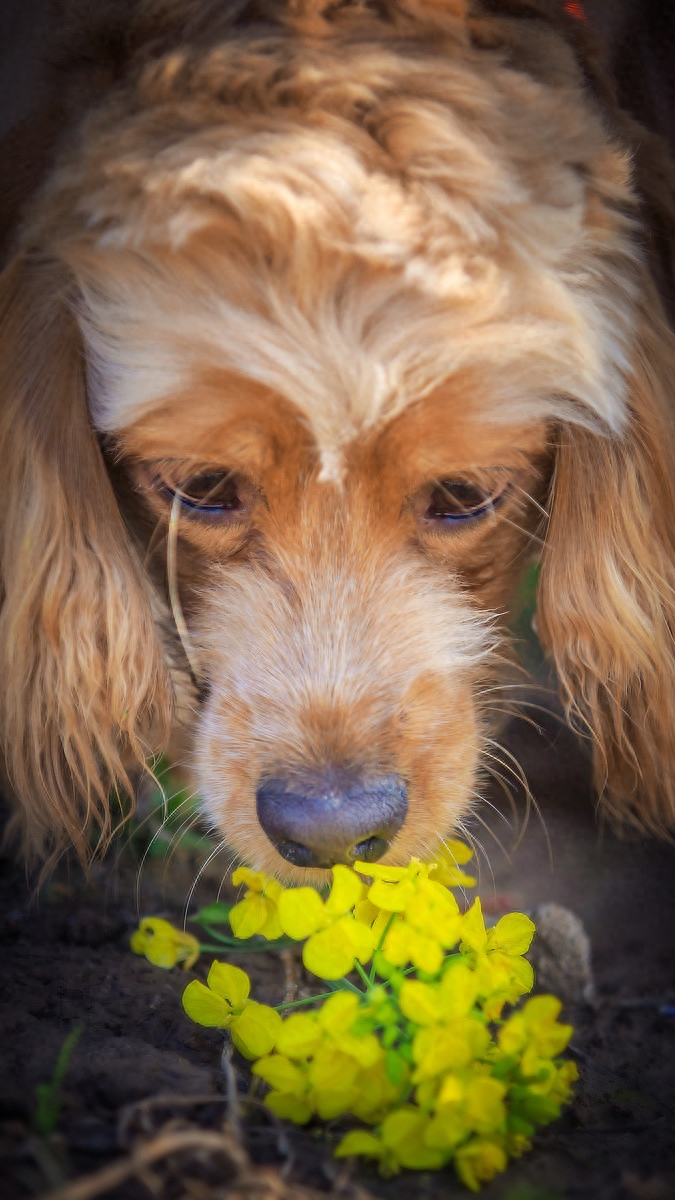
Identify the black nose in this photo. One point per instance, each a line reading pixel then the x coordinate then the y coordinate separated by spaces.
pixel 331 817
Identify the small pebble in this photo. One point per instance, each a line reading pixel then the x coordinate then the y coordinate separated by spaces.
pixel 561 954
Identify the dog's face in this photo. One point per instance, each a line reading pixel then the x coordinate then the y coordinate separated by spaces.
pixel 349 310
pixel 345 627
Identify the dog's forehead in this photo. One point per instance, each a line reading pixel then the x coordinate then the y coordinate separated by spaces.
pixel 354 272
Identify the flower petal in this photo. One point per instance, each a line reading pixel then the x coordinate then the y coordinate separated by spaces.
pixel 474 933
pixel 161 952
pixel 248 916
pixel 357 1141
pixel 330 952
pixel 255 880
pixel 338 1013
pixel 255 1031
pixel 479 1161
pixel 392 897
pixel 301 912
pixel 346 891
pixel 299 1036
pixel 420 1002
pixel 272 928
pixel 280 1073
pixel 459 989
pixel 403 1133
pixel 290 1107
pixel 512 934
pixel 206 1008
pixel 375 871
pixel 230 982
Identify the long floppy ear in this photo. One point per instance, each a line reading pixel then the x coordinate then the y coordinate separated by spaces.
pixel 84 690
pixel 607 588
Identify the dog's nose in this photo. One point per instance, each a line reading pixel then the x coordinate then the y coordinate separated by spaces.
pixel 331 817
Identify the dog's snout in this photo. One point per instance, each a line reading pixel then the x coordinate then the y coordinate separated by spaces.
pixel 331 817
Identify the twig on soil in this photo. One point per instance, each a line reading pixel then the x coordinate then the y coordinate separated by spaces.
pixel 249 1182
pixel 142 1158
pixel 141 1108
pixel 233 1120
pixel 290 964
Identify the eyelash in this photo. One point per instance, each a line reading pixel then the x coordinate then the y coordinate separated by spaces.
pixel 197 492
pixel 448 493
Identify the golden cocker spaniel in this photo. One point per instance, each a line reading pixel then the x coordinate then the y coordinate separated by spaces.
pixel 323 319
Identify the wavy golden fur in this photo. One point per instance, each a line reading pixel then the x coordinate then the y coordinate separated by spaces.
pixel 343 252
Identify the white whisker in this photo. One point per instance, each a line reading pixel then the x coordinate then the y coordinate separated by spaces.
pixel 172 575
pixel 198 876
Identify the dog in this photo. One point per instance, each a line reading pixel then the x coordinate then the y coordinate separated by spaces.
pixel 324 321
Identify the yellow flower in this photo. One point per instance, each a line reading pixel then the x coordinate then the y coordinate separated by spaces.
pixel 447 862
pixel 163 945
pixel 561 1087
pixel 502 974
pixel 512 934
pixel 393 887
pixel 335 939
pixel 466 1104
pixel 289 1098
pixel 479 1161
pixel 437 1049
pixel 257 912
pixel 224 1004
pixel 401 1143
pixel 535 1032
pixel 419 917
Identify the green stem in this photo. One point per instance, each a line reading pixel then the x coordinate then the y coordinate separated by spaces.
pixel 305 1000
pixel 363 974
pixel 220 937
pixel 240 947
pixel 379 946
pixel 346 986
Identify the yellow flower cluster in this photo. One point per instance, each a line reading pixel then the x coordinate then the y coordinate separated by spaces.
pixel 421 1053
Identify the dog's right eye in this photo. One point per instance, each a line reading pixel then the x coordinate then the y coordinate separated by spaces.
pixel 209 492
pixel 212 494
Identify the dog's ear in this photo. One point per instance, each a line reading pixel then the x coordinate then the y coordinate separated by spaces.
pixel 84 690
pixel 607 588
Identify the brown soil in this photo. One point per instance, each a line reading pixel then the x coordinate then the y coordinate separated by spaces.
pixel 65 959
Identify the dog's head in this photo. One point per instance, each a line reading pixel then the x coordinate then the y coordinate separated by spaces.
pixel 311 339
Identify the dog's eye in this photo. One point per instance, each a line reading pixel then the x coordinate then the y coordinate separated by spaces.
pixel 461 500
pixel 210 492
pixel 214 495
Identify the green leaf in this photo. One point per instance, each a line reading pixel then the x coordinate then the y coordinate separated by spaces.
pixel 213 915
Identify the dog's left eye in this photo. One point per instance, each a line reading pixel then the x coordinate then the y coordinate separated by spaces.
pixel 461 500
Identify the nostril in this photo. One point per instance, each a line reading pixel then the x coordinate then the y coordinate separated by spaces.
pixel 369 850
pixel 299 856
pixel 331 816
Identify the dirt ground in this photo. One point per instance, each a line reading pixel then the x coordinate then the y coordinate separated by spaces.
pixel 65 959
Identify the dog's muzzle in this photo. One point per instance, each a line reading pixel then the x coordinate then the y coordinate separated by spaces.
pixel 331 817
